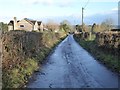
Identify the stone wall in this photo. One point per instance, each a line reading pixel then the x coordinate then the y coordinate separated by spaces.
pixel 83 35
pixel 105 40
pixel 109 40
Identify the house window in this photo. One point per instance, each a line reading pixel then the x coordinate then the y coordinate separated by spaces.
pixel 21 25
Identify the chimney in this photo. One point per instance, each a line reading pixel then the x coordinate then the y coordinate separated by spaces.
pixel 15 23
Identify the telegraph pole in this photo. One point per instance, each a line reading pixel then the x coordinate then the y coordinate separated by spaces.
pixel 83 13
pixel 82 16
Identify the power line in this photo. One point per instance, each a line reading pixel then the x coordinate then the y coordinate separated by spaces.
pixel 86 4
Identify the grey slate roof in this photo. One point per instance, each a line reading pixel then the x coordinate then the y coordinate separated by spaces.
pixel 11 22
pixel 32 21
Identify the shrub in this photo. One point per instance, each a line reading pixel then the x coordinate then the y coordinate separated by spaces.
pixel 22 53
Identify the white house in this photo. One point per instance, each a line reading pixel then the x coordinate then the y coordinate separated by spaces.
pixel 25 24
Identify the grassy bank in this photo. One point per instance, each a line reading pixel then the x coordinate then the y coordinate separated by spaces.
pixel 103 55
pixel 23 52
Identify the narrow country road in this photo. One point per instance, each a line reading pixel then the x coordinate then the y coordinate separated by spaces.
pixel 70 66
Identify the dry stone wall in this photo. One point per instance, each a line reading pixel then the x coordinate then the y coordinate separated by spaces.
pixel 109 40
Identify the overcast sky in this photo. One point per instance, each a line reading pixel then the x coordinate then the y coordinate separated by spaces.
pixel 95 11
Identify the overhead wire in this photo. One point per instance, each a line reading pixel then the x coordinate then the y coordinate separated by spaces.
pixel 86 4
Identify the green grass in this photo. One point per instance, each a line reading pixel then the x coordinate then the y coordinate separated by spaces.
pixel 18 76
pixel 108 59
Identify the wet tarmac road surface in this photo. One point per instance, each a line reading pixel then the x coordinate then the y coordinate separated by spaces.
pixel 70 66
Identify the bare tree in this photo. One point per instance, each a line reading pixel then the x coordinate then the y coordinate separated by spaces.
pixel 51 25
pixel 66 26
pixel 107 24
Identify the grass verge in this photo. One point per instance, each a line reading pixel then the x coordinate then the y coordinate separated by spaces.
pixel 108 59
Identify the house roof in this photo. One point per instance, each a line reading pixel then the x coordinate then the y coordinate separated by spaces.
pixel 11 22
pixel 32 21
pixel 39 22
pixel 28 20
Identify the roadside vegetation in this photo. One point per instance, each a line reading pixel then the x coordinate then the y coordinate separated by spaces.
pixel 102 43
pixel 105 56
pixel 24 52
pixel 3 26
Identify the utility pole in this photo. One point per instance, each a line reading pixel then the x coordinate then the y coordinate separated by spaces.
pixel 119 15
pixel 83 12
pixel 82 17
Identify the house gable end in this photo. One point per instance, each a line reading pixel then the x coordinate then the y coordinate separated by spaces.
pixel 25 25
